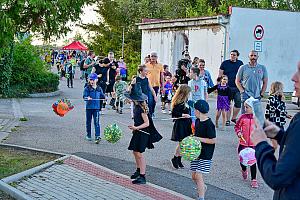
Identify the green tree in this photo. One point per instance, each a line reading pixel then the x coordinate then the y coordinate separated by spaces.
pixel 48 18
pixel 78 37
pixel 119 14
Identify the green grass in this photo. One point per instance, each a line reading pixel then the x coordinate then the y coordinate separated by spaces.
pixel 23 119
pixel 13 161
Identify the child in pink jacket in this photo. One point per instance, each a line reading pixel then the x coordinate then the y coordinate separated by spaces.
pixel 243 129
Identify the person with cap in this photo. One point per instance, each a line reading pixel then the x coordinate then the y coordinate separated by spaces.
pixel 243 129
pixel 144 132
pixel 155 76
pixel 206 131
pixel 92 95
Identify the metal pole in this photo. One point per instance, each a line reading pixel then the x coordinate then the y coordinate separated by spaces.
pixel 123 42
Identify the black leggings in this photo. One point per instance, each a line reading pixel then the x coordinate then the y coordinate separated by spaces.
pixel 244 168
pixel 252 170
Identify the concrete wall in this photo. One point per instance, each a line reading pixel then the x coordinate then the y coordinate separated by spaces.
pixel 208 43
pixel 280 43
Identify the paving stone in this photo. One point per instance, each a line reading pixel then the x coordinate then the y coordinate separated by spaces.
pixel 65 182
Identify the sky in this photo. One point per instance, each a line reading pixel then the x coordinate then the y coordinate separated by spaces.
pixel 88 16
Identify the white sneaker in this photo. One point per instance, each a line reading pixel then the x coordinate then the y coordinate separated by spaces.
pixel 164 111
pixel 170 112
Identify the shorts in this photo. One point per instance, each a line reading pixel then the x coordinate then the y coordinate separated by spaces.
pixel 202 166
pixel 164 99
pixel 236 97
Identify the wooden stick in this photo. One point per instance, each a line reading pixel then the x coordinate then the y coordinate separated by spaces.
pixel 175 118
pixel 86 99
pixel 127 126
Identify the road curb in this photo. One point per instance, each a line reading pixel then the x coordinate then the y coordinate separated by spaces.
pixel 33 149
pixel 42 95
pixel 12 191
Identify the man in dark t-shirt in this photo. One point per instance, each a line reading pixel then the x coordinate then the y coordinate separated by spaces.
pixel 230 68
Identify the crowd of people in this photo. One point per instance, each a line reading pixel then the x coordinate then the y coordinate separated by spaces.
pixel 66 62
pixel 184 95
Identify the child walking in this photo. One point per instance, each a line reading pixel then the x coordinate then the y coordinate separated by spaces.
pixel 223 101
pixel 182 126
pixel 92 95
pixel 198 89
pixel 144 132
pixel 205 130
pixel 119 88
pixel 243 129
pixel 166 95
pixel 276 109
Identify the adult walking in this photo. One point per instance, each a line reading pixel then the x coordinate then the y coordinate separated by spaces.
pixel 181 74
pixel 230 68
pixel 145 85
pixel 155 76
pixel 88 64
pixel 251 79
pixel 282 174
pixel 205 73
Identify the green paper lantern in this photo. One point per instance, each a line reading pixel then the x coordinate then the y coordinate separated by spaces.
pixel 190 148
pixel 112 133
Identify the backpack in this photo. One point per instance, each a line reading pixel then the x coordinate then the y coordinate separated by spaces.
pixel 81 64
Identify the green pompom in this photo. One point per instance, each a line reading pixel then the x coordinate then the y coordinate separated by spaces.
pixel 112 133
pixel 190 148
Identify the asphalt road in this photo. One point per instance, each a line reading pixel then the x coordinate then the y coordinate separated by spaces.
pixel 45 130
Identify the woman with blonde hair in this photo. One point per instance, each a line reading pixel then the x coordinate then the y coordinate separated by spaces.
pixel 276 109
pixel 182 122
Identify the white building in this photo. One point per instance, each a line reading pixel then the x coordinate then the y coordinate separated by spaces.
pixel 274 34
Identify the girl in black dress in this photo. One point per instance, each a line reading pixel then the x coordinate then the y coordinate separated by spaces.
pixel 144 132
pixel 182 126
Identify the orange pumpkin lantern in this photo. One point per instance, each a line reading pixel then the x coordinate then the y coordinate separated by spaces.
pixel 62 108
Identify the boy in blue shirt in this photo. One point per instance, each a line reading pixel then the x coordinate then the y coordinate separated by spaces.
pixel 92 95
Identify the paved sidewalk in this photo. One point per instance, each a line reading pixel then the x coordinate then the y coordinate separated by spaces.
pixel 77 178
pixel 8 119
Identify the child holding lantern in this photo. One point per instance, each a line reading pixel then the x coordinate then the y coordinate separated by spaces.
pixel 182 122
pixel 205 130
pixel 92 95
pixel 243 129
pixel 144 133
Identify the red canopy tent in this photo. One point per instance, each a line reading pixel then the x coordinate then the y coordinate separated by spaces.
pixel 76 45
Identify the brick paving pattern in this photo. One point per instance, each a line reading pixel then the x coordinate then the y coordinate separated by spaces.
pixel 78 179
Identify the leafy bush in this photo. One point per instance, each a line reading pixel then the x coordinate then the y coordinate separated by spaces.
pixel 29 72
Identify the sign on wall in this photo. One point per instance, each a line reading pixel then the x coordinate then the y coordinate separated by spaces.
pixel 258 46
pixel 258 32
